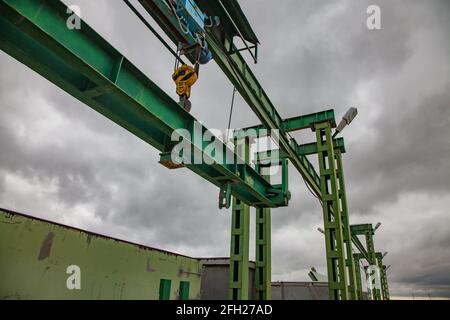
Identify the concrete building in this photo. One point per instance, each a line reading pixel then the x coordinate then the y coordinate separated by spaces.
pixel 40 259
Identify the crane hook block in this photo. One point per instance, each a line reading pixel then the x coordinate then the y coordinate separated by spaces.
pixel 185 77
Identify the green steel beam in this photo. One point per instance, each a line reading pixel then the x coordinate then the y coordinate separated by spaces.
pixel 297 123
pixel 358 256
pixel 270 156
pixel 383 277
pixel 302 150
pixel 236 69
pixel 263 272
pixel 348 238
pixel 241 76
pixel 385 283
pixel 240 237
pixel 311 148
pixel 360 247
pixel 85 65
pixel 308 121
pixel 300 122
pixel 333 222
pixel 361 229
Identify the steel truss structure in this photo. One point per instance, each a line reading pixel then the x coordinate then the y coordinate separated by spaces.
pixel 86 66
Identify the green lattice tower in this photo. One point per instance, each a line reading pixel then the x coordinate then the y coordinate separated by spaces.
pixel 346 226
pixel 376 294
pixel 263 277
pixel 385 284
pixel 383 278
pixel 240 236
pixel 359 289
pixel 333 226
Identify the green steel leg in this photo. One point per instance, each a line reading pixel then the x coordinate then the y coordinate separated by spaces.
pixel 263 278
pixel 335 247
pixel 240 237
pixel 346 226
pixel 383 278
pixel 376 294
pixel 383 284
pixel 359 290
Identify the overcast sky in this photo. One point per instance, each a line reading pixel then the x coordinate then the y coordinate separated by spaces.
pixel 62 161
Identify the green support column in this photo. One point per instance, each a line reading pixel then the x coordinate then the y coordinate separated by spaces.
pixel 383 278
pixel 346 227
pixel 334 238
pixel 240 236
pixel 385 284
pixel 359 290
pixel 263 278
pixel 376 294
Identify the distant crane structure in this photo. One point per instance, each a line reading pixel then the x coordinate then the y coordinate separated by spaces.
pixel 85 65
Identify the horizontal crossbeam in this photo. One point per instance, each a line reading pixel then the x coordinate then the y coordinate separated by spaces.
pixel 311 148
pixel 302 150
pixel 361 229
pixel 298 123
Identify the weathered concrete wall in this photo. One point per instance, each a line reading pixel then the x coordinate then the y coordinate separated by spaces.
pixel 216 279
pixel 35 254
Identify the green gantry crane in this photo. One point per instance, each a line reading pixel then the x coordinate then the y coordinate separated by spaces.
pixel 85 65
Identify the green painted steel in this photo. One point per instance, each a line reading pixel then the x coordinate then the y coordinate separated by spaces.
pixel 383 277
pixel 299 123
pixel 369 233
pixel 361 229
pixel 346 226
pixel 311 148
pixel 359 289
pixel 308 121
pixel 240 74
pixel 240 237
pixel 263 243
pixel 333 223
pixel 239 25
pixel 35 255
pixel 385 284
pixel 86 66
pixel 359 246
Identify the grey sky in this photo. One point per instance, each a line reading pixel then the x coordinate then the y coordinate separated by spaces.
pixel 62 161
